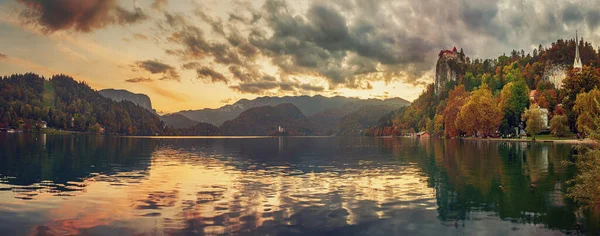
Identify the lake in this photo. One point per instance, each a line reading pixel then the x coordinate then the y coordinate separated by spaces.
pixel 100 185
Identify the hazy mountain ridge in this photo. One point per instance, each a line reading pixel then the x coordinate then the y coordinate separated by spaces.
pixel 118 95
pixel 307 104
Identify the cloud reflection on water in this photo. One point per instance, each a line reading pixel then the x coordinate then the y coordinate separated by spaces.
pixel 308 186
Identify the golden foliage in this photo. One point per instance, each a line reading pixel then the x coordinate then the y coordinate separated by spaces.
pixel 587 109
pixel 456 99
pixel 533 119
pixel 480 115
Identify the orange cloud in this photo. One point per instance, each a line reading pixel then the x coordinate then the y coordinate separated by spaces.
pixel 167 94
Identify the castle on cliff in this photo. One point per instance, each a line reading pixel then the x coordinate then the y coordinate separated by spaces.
pixel 447 68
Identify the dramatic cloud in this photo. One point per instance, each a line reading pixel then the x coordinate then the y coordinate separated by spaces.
pixel 353 44
pixel 308 87
pixel 267 86
pixel 168 72
pixel 178 97
pixel 159 4
pixel 78 15
pixel 209 74
pixel 255 87
pixel 129 17
pixel 140 36
pixel 215 24
pixel 326 43
pixel 139 80
pixel 322 42
pixel 191 65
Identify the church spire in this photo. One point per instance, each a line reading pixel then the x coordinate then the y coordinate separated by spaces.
pixel 577 63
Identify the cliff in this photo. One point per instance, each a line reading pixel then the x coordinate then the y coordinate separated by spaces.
pixel 447 68
pixel 118 95
pixel 555 73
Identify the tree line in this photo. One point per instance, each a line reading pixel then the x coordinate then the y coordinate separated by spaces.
pixel 492 97
pixel 63 103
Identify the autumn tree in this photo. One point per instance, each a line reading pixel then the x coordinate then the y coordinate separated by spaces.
pixel 438 125
pixel 533 119
pixel 480 115
pixel 587 109
pixel 471 82
pixel 578 82
pixel 559 125
pixel 585 188
pixel 514 98
pixel 95 128
pixel 429 126
pixel 456 99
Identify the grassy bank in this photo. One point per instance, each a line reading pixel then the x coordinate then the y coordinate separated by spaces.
pixel 56 131
pixel 542 138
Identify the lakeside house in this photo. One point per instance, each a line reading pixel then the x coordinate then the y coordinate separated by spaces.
pixel 423 134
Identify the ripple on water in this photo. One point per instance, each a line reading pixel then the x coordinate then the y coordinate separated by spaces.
pixel 217 187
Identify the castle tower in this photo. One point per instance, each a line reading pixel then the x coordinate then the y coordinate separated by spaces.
pixel 577 63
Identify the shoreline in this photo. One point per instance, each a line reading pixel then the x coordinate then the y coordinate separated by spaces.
pixel 586 141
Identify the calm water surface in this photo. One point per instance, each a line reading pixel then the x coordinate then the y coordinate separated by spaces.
pixel 89 185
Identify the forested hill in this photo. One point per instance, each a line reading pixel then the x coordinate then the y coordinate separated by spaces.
pixel 493 94
pixel 266 120
pixel 62 102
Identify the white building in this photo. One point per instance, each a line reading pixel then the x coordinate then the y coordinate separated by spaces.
pixel 544 117
pixel 577 63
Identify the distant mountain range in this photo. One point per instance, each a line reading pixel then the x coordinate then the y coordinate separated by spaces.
pixel 118 95
pixel 299 115
pixel 64 103
pixel 308 105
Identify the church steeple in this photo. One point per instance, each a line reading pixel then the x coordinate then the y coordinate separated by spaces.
pixel 577 64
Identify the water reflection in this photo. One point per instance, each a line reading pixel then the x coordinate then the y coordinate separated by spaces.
pixel 106 185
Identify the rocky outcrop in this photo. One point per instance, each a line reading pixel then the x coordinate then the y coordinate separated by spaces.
pixel 118 95
pixel 555 73
pixel 447 68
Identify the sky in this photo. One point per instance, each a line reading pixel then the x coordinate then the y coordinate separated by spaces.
pixel 194 54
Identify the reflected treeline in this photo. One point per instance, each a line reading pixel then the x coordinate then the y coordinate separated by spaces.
pixel 287 185
pixel 28 159
pixel 520 181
